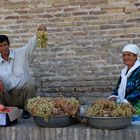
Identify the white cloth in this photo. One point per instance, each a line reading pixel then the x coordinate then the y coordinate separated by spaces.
pixel 132 48
pixel 15 72
pixel 124 76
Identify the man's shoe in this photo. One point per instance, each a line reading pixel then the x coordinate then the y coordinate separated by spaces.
pixel 26 114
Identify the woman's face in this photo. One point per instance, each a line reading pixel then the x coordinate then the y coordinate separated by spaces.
pixel 129 59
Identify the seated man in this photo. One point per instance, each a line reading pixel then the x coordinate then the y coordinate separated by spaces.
pixel 16 83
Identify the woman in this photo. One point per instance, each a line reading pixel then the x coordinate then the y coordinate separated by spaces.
pixel 128 86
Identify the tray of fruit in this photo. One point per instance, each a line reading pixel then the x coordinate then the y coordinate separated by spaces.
pixel 53 112
pixel 8 115
pixel 106 114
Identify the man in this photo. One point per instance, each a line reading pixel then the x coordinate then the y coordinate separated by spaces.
pixel 16 83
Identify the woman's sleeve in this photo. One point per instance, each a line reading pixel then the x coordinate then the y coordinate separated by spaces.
pixel 135 95
pixel 115 90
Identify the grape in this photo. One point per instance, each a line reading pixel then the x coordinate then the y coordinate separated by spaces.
pixel 107 108
pixel 41 39
pixel 46 107
pixel 40 107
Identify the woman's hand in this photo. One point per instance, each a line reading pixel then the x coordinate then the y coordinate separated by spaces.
pixel 112 98
pixel 1 87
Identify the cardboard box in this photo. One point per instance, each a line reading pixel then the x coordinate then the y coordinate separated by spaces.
pixel 8 118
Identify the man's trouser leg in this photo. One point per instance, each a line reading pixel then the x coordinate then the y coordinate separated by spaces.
pixel 19 97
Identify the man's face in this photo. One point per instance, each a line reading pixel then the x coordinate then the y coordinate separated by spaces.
pixel 129 59
pixel 4 47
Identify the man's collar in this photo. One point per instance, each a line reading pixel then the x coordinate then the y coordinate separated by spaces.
pixel 12 54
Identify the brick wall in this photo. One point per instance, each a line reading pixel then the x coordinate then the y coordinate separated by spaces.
pixel 85 38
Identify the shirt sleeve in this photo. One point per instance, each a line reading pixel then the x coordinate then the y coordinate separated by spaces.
pixel 30 46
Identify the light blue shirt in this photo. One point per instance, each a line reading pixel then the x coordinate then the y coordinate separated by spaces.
pixel 15 72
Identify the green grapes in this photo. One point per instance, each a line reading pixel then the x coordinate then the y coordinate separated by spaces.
pixel 41 39
pixel 40 107
pixel 107 108
pixel 46 107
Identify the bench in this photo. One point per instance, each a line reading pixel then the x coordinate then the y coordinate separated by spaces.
pixel 28 130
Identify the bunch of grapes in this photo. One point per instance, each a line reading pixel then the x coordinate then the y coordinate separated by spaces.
pixel 107 108
pixel 124 109
pixel 46 107
pixel 40 107
pixel 41 39
pixel 69 106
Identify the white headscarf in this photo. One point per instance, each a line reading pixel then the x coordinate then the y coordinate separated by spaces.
pixel 132 48
pixel 121 91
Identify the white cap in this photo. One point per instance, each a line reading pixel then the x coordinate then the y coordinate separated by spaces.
pixel 132 48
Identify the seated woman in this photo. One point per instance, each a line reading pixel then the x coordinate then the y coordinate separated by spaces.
pixel 128 86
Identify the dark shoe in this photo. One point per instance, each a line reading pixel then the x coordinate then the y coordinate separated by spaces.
pixel 26 114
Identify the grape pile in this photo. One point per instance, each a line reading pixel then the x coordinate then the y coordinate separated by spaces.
pixel 46 107
pixel 41 39
pixel 40 107
pixel 107 108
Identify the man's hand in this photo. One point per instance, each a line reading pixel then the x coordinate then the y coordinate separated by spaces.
pixel 42 27
pixel 1 87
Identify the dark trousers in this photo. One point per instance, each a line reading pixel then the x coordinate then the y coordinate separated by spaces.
pixel 19 97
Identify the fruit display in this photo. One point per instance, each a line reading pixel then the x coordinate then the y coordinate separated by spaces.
pixel 107 108
pixel 47 107
pixel 4 109
pixel 41 39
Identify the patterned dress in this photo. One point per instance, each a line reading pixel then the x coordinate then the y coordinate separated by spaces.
pixel 132 93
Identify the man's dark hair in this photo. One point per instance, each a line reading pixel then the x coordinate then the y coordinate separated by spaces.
pixel 4 38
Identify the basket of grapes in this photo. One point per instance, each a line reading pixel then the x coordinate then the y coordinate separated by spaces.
pixel 53 112
pixel 106 114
